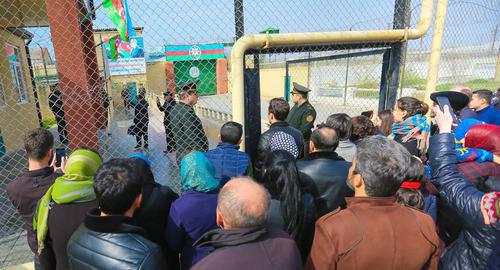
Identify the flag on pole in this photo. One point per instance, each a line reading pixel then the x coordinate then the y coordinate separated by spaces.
pixel 130 26
pixel 113 42
pixel 117 11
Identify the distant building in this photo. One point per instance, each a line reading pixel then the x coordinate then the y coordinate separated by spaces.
pixel 17 102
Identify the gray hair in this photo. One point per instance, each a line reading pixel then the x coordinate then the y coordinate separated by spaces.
pixel 383 164
pixel 240 212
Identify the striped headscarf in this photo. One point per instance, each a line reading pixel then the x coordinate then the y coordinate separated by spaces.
pixel 415 127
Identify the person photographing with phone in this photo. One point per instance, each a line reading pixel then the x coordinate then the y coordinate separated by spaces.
pixel 26 190
pixel 470 134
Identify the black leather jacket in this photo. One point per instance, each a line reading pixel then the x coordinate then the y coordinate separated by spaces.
pixel 476 244
pixel 324 175
pixel 264 146
pixel 112 242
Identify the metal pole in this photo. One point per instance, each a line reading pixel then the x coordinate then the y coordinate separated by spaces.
pixel 435 56
pixel 346 77
pixel 239 22
pixel 33 85
pixel 257 41
pixel 44 65
pixel 308 68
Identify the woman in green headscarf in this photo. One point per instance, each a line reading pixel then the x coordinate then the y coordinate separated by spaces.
pixel 73 191
pixel 194 212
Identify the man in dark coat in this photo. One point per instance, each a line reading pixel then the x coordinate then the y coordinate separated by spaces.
pixel 56 106
pixel 187 128
pixel 141 120
pixel 477 245
pixel 156 202
pixel 108 237
pixel 277 112
pixel 168 104
pixel 302 114
pixel 324 173
pixel 244 242
pixel 27 189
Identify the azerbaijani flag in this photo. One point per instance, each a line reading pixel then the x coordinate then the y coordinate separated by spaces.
pixel 117 11
pixel 114 41
pixel 194 52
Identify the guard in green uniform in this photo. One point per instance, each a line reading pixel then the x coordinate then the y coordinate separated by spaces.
pixel 302 114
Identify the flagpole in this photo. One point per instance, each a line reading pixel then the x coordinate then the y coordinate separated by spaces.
pixel 89 14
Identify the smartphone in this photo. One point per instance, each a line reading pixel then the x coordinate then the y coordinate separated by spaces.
pixel 60 152
pixel 444 101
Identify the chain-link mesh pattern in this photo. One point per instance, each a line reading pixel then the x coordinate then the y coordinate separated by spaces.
pixel 178 42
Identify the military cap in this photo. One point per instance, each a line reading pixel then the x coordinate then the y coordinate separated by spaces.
pixel 458 100
pixel 299 88
pixel 191 85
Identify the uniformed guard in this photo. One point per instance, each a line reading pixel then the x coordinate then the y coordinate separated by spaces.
pixel 302 114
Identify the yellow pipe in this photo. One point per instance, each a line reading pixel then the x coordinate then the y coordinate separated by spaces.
pixel 435 56
pixel 315 38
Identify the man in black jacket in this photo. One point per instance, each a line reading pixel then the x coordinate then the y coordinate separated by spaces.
pixel 324 173
pixel 168 104
pixel 57 108
pixel 108 238
pixel 141 120
pixel 277 112
pixel 244 242
pixel 27 189
pixel 155 206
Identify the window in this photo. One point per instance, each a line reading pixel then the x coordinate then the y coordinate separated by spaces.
pixel 3 98
pixel 16 70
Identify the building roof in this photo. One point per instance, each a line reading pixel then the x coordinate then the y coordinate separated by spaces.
pixel 20 32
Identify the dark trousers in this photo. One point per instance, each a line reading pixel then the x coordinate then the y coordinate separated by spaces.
pixel 169 135
pixel 61 129
pixel 141 132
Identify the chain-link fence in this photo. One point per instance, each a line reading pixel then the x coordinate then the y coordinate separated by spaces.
pixel 63 67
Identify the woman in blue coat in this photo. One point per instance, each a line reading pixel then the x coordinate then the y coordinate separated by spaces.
pixel 194 212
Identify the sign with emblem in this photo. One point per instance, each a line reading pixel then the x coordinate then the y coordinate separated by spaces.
pixel 194 72
pixel 194 52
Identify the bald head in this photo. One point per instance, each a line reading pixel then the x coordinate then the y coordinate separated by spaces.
pixel 325 139
pixel 462 89
pixel 242 203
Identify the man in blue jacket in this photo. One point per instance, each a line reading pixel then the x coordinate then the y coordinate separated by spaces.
pixel 228 161
pixel 478 244
pixel 480 102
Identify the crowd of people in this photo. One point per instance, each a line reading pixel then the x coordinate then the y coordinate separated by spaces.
pixel 393 189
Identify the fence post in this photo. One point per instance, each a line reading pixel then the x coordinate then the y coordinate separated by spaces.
pixel 239 21
pixel 392 72
pixel 252 107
